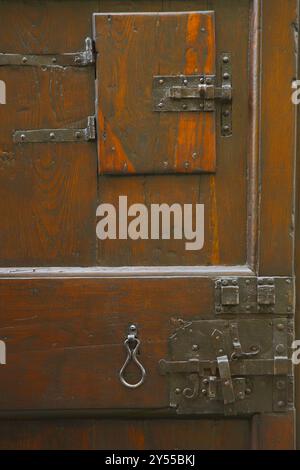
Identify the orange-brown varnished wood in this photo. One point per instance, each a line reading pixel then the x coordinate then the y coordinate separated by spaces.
pixel 48 192
pixel 138 434
pixel 132 137
pixel 273 432
pixel 65 338
pixel 278 121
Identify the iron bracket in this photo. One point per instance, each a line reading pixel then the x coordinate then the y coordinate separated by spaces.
pixel 262 295
pixel 77 59
pixel 57 135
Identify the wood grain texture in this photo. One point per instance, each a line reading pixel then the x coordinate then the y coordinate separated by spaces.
pixel 48 192
pixel 124 434
pixel 132 137
pixel 65 338
pixel 273 432
pixel 225 193
pixel 278 121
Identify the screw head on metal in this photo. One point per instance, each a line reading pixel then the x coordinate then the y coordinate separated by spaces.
pixel 280 327
pixel 280 348
pixel 195 347
pixel 225 59
pixel 24 60
pixel 281 404
pixel 23 136
pixel 161 81
pixel 52 135
pixel 226 76
pixel 132 327
pixel 177 391
pixel 280 385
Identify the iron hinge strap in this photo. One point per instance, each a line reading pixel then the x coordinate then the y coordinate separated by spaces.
pixel 57 135
pixel 75 59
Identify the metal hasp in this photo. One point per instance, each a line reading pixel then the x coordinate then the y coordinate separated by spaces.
pixel 74 59
pixel 234 367
pixel 196 93
pixel 57 135
pixel 262 295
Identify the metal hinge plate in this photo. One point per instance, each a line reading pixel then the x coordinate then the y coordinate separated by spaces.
pixel 57 135
pixel 76 59
pixel 196 93
pixel 231 367
pixel 263 295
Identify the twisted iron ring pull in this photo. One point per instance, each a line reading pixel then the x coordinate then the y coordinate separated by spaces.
pixel 132 344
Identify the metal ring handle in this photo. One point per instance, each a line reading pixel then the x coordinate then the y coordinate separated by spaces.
pixel 131 356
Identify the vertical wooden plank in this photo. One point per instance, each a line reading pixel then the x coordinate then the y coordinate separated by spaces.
pixel 225 193
pixel 278 120
pixel 48 192
pixel 273 432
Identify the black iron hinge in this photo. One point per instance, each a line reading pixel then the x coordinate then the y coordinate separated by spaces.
pixel 73 59
pixel 85 134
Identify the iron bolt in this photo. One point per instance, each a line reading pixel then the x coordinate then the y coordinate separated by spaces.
pixel 226 128
pixel 23 136
pixel 195 347
pixel 280 348
pixel 280 327
pixel 280 385
pixel 281 404
pixel 24 60
pixel 226 76
pixel 52 135
pixel 54 60
pixel 161 81
pixel 225 59
pixel 248 391
pixel 177 391
pixel 203 391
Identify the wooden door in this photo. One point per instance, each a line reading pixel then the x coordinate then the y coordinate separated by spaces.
pixel 193 106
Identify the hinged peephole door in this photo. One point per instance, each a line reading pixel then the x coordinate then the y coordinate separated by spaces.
pixel 158 92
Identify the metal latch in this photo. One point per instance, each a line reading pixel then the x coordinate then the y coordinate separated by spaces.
pixel 230 367
pixel 263 295
pixel 57 135
pixel 196 93
pixel 73 59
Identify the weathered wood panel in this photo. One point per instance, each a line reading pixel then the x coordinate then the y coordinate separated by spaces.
pixel 225 193
pixel 278 125
pixel 123 434
pixel 132 137
pixel 48 192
